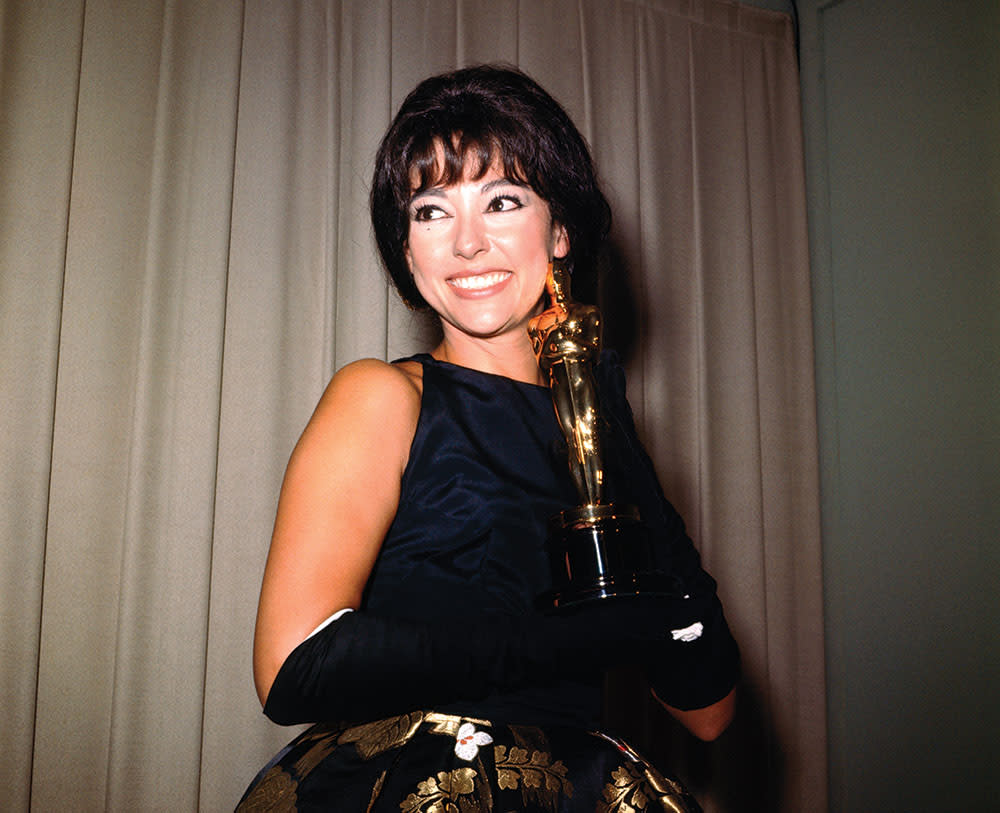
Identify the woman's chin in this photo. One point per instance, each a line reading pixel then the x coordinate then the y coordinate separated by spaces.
pixel 484 325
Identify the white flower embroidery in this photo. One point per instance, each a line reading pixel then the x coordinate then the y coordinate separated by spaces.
pixel 468 740
pixel 688 634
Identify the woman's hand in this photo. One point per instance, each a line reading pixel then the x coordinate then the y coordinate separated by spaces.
pixel 338 499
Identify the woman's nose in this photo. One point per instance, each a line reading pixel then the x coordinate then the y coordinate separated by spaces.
pixel 470 236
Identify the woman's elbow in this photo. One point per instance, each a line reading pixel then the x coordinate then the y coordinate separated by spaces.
pixel 262 683
pixel 707 723
pixel 712 728
pixel 266 665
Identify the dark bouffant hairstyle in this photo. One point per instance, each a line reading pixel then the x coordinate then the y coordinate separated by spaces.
pixel 486 114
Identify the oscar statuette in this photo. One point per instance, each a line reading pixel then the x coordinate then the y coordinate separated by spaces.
pixel 598 550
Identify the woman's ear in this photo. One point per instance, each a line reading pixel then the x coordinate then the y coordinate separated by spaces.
pixel 560 241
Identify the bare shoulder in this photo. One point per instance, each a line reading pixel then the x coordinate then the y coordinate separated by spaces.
pixel 370 403
pixel 373 384
pixel 375 379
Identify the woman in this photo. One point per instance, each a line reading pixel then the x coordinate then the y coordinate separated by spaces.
pixel 398 606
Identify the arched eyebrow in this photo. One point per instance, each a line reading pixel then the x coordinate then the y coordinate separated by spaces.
pixel 430 191
pixel 485 189
pixel 491 185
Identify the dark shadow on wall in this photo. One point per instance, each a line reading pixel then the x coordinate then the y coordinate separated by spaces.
pixel 613 294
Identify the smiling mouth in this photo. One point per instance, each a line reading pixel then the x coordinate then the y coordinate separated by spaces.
pixel 479 282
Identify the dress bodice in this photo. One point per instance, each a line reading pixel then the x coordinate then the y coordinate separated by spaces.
pixel 487 469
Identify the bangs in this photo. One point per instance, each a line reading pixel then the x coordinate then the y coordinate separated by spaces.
pixel 464 155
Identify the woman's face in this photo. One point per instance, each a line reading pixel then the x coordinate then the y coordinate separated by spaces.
pixel 479 252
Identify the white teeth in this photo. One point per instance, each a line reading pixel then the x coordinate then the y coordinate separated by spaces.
pixel 480 281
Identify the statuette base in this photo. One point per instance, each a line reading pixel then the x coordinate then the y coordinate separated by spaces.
pixel 601 552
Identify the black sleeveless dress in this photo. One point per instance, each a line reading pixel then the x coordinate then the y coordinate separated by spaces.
pixel 486 471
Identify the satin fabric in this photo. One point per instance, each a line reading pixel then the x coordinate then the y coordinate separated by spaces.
pixel 487 469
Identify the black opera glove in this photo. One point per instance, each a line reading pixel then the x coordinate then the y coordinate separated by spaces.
pixel 366 666
pixel 700 664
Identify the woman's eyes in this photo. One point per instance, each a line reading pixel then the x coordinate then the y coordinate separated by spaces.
pixel 428 212
pixel 507 202
pixel 504 203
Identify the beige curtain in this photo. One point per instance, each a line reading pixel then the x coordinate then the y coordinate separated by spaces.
pixel 185 259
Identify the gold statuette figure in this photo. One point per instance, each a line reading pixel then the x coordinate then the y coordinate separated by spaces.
pixel 566 339
pixel 597 550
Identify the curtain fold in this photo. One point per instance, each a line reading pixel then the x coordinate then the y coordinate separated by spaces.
pixel 185 259
pixel 36 160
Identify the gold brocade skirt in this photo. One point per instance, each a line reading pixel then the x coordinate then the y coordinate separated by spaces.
pixel 425 762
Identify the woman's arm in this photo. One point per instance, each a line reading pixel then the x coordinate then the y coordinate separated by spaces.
pixel 366 666
pixel 695 677
pixel 338 498
pixel 709 722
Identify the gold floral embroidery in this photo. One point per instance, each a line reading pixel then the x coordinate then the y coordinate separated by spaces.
pixel 320 749
pixel 672 795
pixel 449 724
pixel 275 792
pixel 624 793
pixel 374 738
pixel 632 789
pixel 439 794
pixel 534 770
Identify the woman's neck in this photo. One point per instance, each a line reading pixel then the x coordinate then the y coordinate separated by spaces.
pixel 508 356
